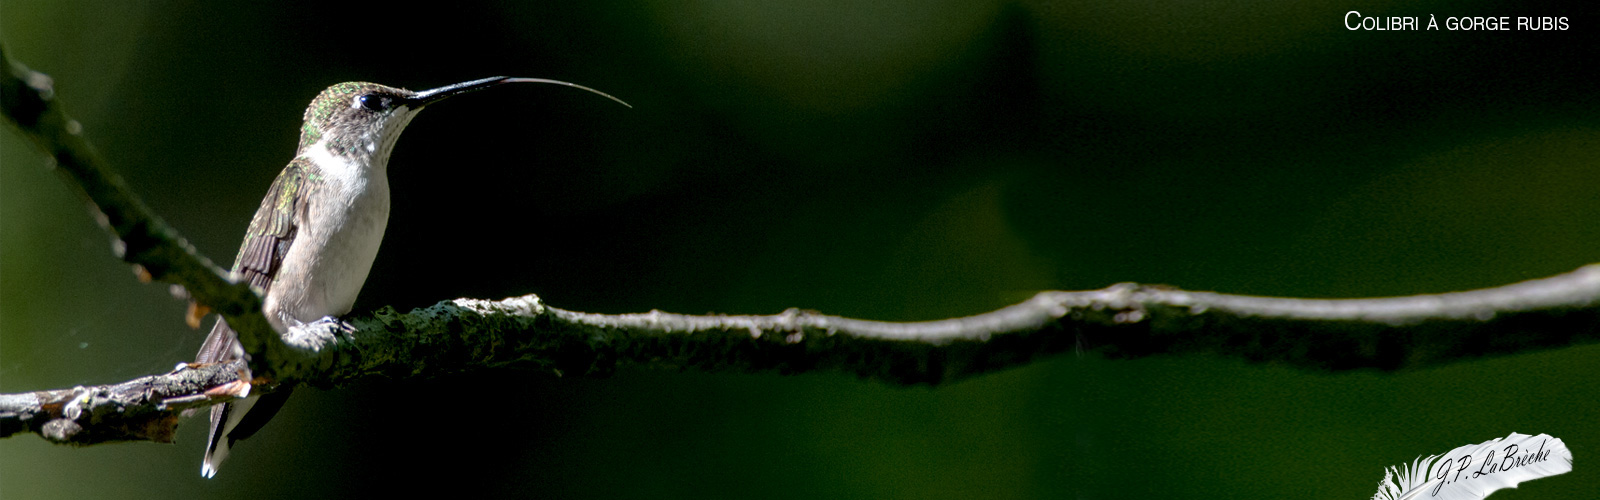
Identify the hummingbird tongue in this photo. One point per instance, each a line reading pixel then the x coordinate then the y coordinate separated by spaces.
pixel 569 84
pixel 430 96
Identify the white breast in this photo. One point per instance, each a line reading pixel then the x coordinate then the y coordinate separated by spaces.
pixel 336 244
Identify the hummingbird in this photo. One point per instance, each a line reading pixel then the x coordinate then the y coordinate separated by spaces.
pixel 311 245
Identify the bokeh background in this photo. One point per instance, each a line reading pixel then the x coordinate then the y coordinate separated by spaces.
pixel 894 159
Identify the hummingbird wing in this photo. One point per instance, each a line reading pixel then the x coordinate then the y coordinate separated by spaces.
pixel 272 231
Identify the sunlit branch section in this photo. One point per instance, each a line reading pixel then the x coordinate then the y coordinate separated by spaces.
pixel 1122 321
pixel 142 409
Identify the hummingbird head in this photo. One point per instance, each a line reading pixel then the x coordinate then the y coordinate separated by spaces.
pixel 364 119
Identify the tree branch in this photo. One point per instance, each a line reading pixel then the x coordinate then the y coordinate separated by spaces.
pixel 1122 321
pixel 142 409
pixel 139 237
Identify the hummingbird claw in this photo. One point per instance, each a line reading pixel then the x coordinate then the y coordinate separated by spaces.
pixel 335 325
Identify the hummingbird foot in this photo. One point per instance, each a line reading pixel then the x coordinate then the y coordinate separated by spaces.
pixel 319 333
pixel 333 325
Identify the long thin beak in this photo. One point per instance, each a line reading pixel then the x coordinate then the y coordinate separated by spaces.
pixel 430 96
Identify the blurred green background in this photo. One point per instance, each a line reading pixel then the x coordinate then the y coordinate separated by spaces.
pixel 898 160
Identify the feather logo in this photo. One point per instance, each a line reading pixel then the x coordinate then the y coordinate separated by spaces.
pixel 1476 470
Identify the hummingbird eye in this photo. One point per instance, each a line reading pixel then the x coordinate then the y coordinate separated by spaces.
pixel 376 102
